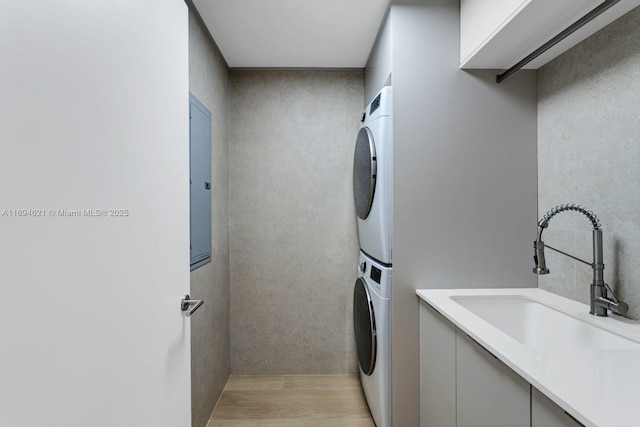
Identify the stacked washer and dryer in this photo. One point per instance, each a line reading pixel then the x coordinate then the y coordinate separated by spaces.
pixel 372 186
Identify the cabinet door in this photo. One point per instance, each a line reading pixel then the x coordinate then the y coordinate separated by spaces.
pixel 479 20
pixel 437 369
pixel 545 413
pixel 489 394
pixel 499 33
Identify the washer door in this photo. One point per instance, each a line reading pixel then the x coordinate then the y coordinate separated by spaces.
pixel 365 326
pixel 364 172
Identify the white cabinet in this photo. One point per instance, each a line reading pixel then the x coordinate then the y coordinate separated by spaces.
pixel 497 34
pixel 463 385
pixel 480 21
pixel 437 369
pixel 545 413
pixel 488 393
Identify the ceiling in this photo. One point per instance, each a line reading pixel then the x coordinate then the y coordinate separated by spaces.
pixel 293 33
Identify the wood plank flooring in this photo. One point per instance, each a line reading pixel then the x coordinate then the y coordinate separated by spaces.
pixel 287 401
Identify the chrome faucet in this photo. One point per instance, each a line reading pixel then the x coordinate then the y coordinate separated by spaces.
pixel 600 302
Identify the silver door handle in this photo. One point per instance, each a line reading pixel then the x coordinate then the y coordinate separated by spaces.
pixel 189 306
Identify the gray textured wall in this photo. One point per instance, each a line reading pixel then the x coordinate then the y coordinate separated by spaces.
pixel 589 153
pixel 293 238
pixel 210 330
pixel 464 178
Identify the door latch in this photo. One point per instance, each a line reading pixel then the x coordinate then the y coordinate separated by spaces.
pixel 189 306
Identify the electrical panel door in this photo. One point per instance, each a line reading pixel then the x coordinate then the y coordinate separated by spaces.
pixel 200 182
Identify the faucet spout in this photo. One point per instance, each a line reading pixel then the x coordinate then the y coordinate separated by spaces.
pixel 600 303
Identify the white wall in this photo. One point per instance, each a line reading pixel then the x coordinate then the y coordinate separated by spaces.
pixel 464 177
pixel 94 115
pixel 378 70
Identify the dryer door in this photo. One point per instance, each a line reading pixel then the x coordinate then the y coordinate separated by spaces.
pixel 365 326
pixel 364 172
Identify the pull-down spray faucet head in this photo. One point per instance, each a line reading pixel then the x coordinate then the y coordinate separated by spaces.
pixel 538 246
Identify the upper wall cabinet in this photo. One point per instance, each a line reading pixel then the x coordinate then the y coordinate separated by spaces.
pixel 497 34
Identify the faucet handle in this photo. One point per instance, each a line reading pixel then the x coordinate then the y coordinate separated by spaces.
pixel 621 308
pixel 617 307
pixel 613 295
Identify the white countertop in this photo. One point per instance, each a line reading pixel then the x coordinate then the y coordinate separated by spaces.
pixel 600 388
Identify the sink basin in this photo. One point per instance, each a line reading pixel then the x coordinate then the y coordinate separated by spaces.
pixel 541 327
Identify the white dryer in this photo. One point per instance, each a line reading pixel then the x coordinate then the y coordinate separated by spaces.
pixel 372 327
pixel 372 178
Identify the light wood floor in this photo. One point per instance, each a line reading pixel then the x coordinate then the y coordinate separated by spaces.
pixel 286 401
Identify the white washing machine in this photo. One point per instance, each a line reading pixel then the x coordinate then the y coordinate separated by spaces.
pixel 372 178
pixel 372 326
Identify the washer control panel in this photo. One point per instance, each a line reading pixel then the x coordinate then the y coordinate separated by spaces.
pixel 376 275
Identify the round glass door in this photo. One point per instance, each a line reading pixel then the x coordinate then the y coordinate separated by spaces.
pixel 364 172
pixel 364 326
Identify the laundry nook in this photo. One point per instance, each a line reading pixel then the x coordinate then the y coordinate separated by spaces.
pixel 338 213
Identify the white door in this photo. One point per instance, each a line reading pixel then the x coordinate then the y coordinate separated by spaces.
pixel 94 220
